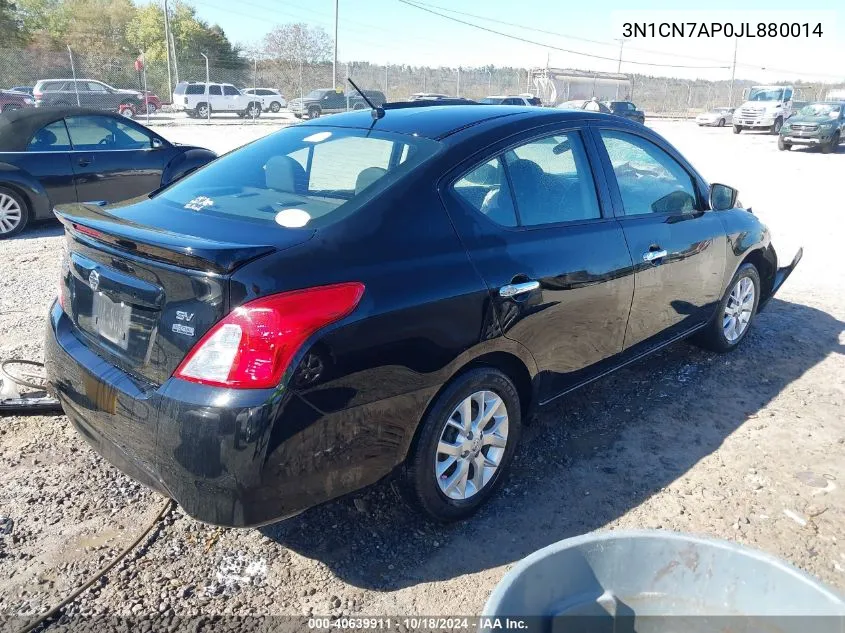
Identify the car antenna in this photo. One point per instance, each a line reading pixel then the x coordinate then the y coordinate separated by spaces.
pixel 376 112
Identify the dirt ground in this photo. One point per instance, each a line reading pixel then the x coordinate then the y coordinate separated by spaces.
pixel 747 447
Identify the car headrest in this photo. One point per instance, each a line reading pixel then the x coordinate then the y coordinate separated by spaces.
pixel 283 173
pixel 44 137
pixel 367 177
pixel 525 172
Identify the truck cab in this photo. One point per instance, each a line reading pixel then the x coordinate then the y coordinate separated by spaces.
pixel 765 107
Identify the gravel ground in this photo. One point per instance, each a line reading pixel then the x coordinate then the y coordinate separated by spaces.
pixel 747 447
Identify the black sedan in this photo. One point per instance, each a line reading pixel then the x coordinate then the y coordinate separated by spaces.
pixel 51 156
pixel 337 303
pixel 626 109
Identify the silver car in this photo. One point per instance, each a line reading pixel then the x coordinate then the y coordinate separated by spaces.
pixel 719 117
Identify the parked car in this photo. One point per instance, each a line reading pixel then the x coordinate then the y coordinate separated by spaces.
pixel 153 102
pixel 718 117
pixel 820 124
pixel 23 89
pixel 11 100
pixel 428 96
pixel 51 156
pixel 521 100
pixel 327 101
pixel 271 99
pixel 626 109
pixel 200 100
pixel 90 93
pixel 584 104
pixel 335 304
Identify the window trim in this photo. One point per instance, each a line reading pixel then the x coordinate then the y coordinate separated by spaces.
pixel 50 151
pixel 613 184
pixel 123 121
pixel 604 198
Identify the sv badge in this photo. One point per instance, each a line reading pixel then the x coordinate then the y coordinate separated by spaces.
pixel 181 315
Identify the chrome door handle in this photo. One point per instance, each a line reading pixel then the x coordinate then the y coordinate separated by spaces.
pixel 512 290
pixel 650 256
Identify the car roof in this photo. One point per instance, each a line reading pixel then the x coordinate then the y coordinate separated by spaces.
pixel 18 126
pixel 440 121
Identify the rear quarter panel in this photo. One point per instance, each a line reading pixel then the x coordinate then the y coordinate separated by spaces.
pixel 44 178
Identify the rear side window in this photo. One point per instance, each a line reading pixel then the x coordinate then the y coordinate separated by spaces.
pixel 486 190
pixel 50 138
pixel 301 175
pixel 194 89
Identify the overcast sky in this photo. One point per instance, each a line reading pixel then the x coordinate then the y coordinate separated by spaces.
pixel 390 31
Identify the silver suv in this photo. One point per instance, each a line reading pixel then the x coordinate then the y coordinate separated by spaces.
pixel 199 99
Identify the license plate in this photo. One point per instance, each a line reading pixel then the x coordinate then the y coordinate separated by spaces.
pixel 111 320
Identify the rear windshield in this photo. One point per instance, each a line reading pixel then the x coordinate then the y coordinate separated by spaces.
pixel 301 176
pixel 180 89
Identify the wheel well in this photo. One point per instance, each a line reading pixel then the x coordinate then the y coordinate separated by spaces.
pixel 765 269
pixel 506 363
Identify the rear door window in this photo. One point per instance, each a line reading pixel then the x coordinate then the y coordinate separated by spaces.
pixel 50 138
pixel 215 90
pixel 230 90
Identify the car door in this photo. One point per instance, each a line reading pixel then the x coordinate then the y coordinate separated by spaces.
pixel 334 102
pixel 216 99
pixel 114 159
pixel 233 98
pixel 539 227
pixel 48 158
pixel 677 246
pixel 100 96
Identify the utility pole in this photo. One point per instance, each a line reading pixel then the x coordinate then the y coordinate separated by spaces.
pixel 334 63
pixel 73 70
pixel 167 47
pixel 208 89
pixel 175 61
pixel 459 82
pixel 733 74
pixel 619 65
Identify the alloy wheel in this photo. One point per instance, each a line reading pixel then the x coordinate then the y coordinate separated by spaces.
pixel 11 213
pixel 738 309
pixel 472 445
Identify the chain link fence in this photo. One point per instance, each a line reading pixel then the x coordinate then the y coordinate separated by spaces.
pixel 657 96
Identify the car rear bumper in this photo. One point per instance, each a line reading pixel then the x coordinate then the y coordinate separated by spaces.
pixel 237 458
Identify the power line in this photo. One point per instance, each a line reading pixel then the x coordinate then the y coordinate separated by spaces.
pixel 550 46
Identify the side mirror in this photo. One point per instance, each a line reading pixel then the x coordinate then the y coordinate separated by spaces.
pixel 157 143
pixel 722 197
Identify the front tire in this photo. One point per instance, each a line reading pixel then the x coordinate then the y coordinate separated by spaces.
pixel 831 145
pixel 778 124
pixel 721 123
pixel 737 129
pixel 735 313
pixel 466 443
pixel 313 113
pixel 275 107
pixel 14 213
pixel 783 146
pixel 127 111
pixel 253 111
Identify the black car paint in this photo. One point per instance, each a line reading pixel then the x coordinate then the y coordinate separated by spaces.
pixel 47 179
pixel 346 412
pixel 620 108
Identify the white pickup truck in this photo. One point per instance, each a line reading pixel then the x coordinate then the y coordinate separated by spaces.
pixel 766 107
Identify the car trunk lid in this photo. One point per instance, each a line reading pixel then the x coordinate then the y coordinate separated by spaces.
pixel 142 294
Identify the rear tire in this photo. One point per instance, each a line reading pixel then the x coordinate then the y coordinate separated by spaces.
pixel 202 111
pixel 735 313
pixel 737 129
pixel 475 420
pixel 14 213
pixel 151 108
pixel 127 111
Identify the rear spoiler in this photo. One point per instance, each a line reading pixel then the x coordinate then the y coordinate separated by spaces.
pixel 87 222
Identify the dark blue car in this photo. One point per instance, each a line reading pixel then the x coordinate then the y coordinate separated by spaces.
pixel 365 297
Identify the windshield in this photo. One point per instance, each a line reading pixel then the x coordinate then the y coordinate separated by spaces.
pixel 316 94
pixel 766 94
pixel 301 176
pixel 821 109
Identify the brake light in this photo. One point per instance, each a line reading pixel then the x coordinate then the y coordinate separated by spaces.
pixel 37 94
pixel 252 346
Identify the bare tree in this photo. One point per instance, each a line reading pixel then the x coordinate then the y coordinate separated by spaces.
pixel 288 48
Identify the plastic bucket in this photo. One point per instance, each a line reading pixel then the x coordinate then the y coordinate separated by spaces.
pixel 657 582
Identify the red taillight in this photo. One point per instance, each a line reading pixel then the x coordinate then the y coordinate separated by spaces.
pixel 253 345
pixel 79 228
pixel 37 94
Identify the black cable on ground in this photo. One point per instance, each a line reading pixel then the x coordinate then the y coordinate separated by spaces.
pixel 165 510
pixel 31 403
